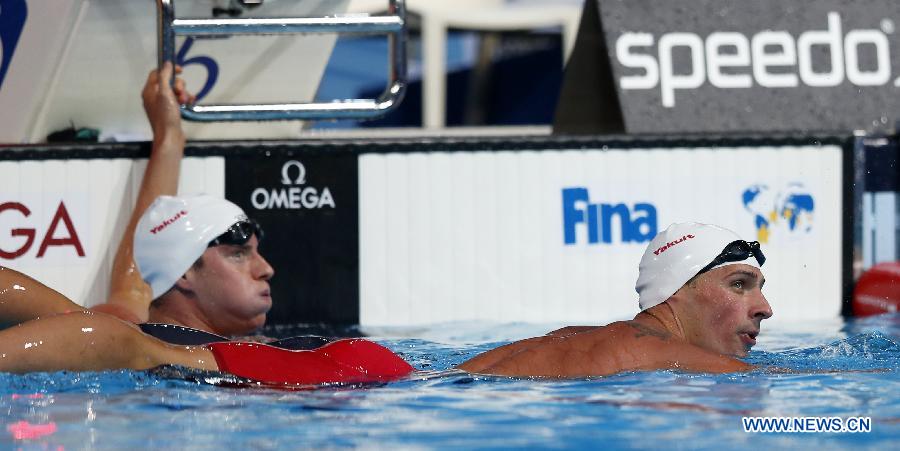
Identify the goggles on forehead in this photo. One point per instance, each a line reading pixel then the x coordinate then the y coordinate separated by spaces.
pixel 239 233
pixel 737 251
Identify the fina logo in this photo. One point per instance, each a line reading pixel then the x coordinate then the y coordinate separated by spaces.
pixel 295 197
pixel 636 224
pixel 12 19
pixel 784 212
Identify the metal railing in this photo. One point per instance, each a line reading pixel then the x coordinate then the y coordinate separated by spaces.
pixel 393 25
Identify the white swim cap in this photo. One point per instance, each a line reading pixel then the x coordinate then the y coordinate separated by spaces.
pixel 175 231
pixel 676 255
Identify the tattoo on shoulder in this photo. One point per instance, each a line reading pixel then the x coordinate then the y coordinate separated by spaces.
pixel 643 331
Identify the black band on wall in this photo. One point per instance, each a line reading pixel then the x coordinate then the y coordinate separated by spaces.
pixel 307 204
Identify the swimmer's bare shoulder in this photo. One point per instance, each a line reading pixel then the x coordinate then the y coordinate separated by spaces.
pixel 617 347
pixel 652 349
pixel 554 354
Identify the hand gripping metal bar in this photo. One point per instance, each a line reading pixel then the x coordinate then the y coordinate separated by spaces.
pixel 393 24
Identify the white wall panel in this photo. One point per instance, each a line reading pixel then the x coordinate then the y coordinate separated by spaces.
pixel 479 235
pixel 462 287
pixel 372 227
pixel 486 204
pixel 885 204
pixel 98 196
pixel 879 227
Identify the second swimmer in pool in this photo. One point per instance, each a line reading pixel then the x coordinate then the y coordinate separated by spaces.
pixel 701 307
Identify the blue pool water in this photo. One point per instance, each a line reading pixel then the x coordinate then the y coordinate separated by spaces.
pixel 843 369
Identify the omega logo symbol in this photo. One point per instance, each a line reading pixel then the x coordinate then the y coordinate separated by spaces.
pixel 286 173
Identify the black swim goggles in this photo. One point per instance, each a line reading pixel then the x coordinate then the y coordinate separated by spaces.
pixel 737 251
pixel 239 233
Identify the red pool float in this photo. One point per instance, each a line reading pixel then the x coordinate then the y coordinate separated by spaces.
pixel 351 360
pixel 878 290
pixel 23 430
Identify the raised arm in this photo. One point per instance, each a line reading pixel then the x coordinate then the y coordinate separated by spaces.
pixel 130 296
pixel 23 298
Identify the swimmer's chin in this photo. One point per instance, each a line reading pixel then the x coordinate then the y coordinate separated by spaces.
pixel 742 350
pixel 748 340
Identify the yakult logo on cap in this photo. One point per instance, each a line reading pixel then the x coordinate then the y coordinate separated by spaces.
pixel 168 222
pixel 672 243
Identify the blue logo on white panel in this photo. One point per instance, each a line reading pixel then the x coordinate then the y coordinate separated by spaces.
pixel 207 63
pixel 605 223
pixel 12 19
pixel 788 211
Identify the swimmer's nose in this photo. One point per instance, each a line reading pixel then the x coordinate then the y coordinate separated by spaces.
pixel 264 270
pixel 761 308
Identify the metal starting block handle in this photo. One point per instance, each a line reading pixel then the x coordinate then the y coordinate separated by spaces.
pixel 393 25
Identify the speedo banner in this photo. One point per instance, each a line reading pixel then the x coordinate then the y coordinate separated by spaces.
pixel 753 65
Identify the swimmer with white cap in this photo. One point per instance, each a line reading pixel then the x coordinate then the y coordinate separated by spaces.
pixel 185 260
pixel 200 256
pixel 699 291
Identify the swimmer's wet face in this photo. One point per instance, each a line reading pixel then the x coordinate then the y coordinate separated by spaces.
pixel 721 309
pixel 230 285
